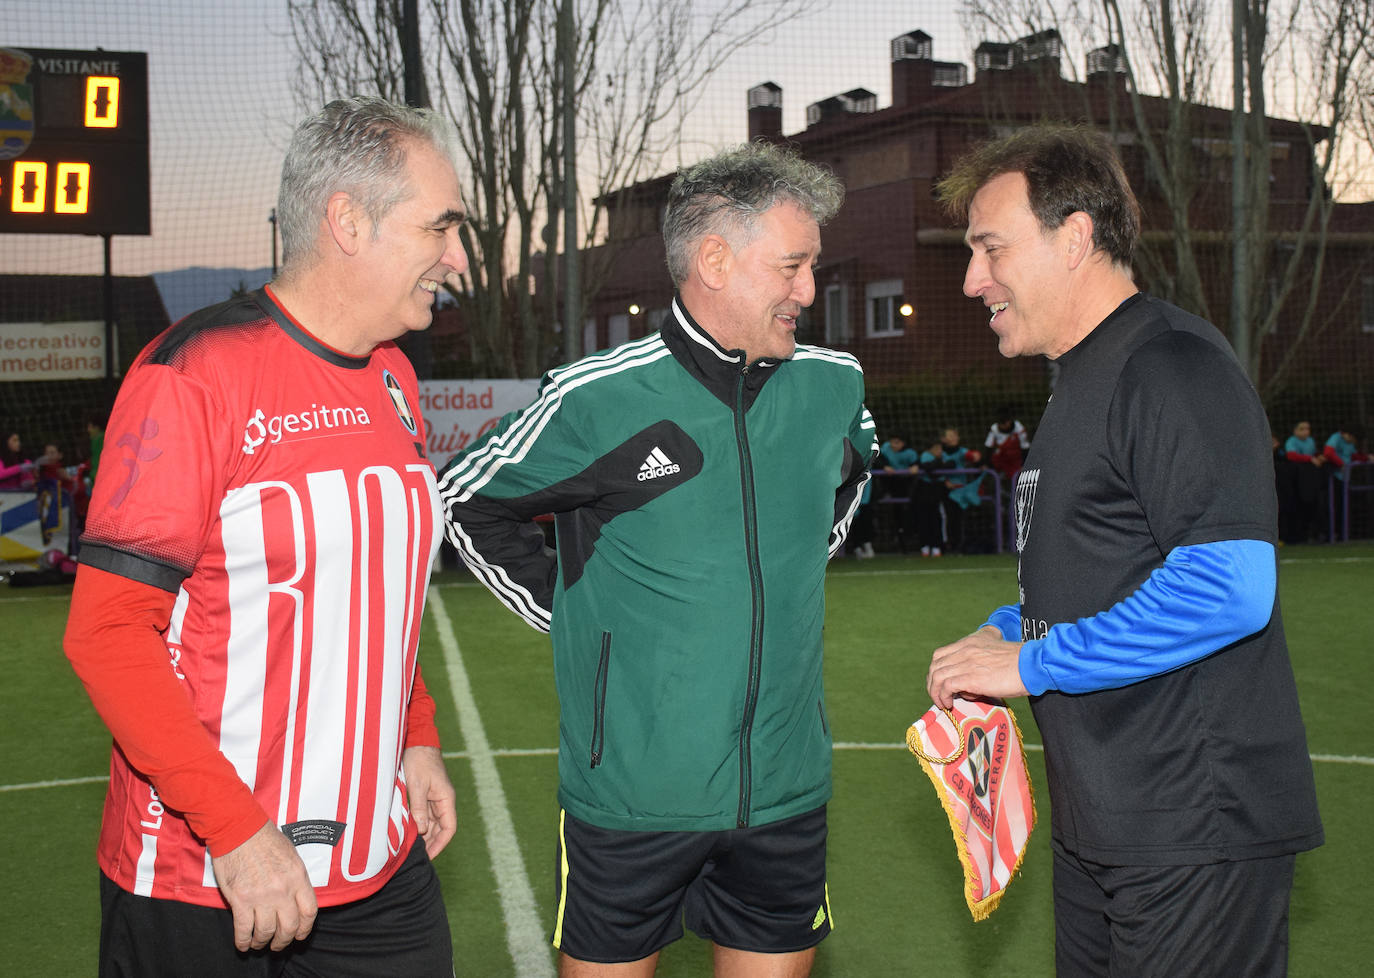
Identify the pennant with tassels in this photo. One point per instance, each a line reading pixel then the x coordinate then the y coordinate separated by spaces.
pixel 973 756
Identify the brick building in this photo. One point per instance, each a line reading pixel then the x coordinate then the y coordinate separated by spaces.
pixel 889 282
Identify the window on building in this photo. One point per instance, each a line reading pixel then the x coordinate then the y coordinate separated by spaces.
pixel 883 301
pixel 837 314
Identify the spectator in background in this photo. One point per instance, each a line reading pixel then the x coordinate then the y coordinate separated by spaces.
pixel 1284 480
pixel 1007 444
pixel 49 466
pixel 1339 451
pixel 1308 480
pixel 95 430
pixel 16 471
pixel 899 461
pixel 960 491
pixel 861 532
pixel 928 500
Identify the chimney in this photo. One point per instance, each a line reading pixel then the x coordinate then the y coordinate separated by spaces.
pixel 916 75
pixel 1106 63
pixel 993 56
pixel 912 68
pixel 1041 49
pixel 856 101
pixel 765 112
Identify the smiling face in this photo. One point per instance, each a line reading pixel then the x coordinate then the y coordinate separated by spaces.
pixel 1018 271
pixel 767 283
pixel 409 253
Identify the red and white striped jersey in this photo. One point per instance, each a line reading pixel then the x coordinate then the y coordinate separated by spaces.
pixel 280 489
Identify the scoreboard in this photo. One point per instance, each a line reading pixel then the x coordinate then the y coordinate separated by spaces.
pixel 73 141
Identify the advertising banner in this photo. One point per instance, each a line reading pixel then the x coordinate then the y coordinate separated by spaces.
pixel 457 412
pixel 52 351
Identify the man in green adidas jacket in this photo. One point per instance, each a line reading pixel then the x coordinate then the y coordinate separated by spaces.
pixel 700 480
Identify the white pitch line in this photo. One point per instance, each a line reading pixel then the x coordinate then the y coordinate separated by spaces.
pixel 525 938
pixel 462 755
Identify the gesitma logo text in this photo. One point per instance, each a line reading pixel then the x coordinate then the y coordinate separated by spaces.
pixel 319 419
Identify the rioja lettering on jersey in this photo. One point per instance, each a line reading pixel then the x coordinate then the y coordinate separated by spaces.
pixel 291 551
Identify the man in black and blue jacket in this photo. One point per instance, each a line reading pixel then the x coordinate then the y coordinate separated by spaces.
pixel 1147 629
pixel 700 480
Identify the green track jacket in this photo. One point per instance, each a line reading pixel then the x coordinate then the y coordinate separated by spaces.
pixel 697 498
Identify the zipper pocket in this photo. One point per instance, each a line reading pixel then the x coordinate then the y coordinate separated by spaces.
pixel 599 700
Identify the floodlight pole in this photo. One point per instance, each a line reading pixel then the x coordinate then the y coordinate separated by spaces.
pixel 572 265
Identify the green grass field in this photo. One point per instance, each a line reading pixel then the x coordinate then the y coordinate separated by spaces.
pixel 895 884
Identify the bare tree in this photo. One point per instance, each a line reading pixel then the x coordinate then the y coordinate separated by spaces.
pixel 1317 53
pixel 637 68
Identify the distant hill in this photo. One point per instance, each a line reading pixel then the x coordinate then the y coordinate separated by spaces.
pixel 185 290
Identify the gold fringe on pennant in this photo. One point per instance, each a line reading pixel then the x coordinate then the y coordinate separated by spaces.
pixel 981 909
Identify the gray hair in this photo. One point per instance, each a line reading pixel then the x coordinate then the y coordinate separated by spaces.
pixel 727 193
pixel 356 145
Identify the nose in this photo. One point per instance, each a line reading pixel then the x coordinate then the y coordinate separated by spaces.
pixel 455 255
pixel 804 287
pixel 976 276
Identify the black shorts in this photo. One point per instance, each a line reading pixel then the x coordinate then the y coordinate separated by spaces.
pixel 402 929
pixel 1217 920
pixel 622 896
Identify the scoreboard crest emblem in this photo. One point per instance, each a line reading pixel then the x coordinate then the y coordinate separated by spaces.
pixel 16 103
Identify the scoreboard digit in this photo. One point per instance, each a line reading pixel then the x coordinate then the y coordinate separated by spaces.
pixel 73 141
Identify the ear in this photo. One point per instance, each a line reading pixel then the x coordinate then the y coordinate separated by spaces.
pixel 347 225
pixel 713 261
pixel 1077 235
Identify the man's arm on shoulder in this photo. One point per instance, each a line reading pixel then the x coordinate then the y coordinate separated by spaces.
pixel 1201 599
pixel 525 467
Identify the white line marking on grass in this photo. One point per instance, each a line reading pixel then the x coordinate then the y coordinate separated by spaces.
pixel 60 783
pixel 525 938
pixel 926 569
pixel 462 755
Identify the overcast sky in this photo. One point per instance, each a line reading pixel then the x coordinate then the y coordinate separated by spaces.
pixel 222 109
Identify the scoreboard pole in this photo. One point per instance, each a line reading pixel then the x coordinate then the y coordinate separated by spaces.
pixel 107 286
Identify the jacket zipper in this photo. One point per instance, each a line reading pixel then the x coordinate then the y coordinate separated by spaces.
pixel 751 552
pixel 599 695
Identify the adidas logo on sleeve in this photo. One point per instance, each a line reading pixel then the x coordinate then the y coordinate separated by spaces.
pixel 657 464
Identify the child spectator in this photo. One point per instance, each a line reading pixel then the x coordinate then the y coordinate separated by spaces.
pixel 1339 451
pixel 898 461
pixel 928 500
pixel 1301 450
pixel 16 471
pixel 1007 444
